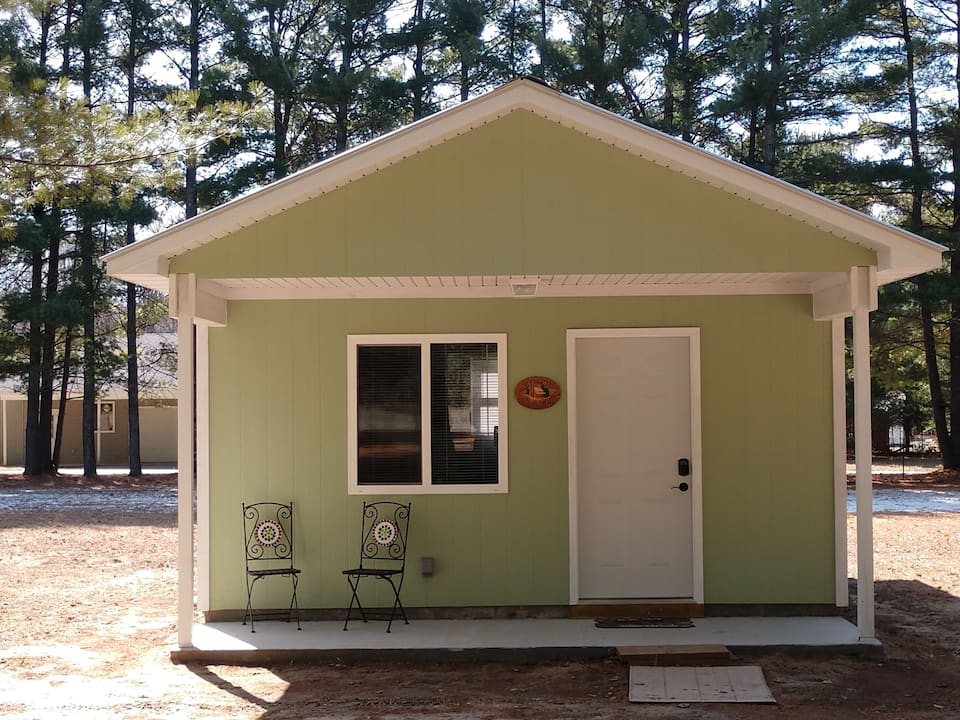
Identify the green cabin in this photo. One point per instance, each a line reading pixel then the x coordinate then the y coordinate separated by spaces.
pixel 605 366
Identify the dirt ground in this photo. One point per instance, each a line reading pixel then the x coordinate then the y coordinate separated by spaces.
pixel 86 623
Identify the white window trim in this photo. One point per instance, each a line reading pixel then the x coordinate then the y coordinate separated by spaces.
pixel 426 488
pixel 113 412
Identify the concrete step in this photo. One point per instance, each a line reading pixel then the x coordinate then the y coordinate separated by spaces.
pixel 672 655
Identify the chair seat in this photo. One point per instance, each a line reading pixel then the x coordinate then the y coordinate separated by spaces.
pixel 372 572
pixel 273 571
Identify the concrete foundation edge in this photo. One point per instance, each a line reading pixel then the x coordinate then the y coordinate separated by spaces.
pixel 868 650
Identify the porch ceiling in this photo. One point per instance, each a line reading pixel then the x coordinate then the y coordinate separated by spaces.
pixel 497 286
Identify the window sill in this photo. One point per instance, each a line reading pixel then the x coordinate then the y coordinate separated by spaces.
pixel 498 489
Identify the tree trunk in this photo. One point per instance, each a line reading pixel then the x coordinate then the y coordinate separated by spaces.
pixel 64 390
pixel 88 438
pixel 687 92
pixel 191 203
pixel 543 39
pixel 49 350
pixel 89 424
pixel 512 29
pixel 37 450
pixel 32 461
pixel 133 383
pixel 280 117
pixel 771 110
pixel 342 111
pixel 942 412
pixel 419 79
pixel 670 69
pixel 954 243
pixel 937 399
pixel 133 371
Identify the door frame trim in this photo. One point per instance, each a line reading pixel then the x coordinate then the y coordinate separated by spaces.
pixel 696 479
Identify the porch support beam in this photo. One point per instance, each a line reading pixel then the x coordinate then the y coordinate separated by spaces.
pixel 203 465
pixel 860 279
pixel 839 370
pixel 182 304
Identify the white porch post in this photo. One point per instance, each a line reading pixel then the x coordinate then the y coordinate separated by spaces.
pixel 861 278
pixel 203 466
pixel 839 369
pixel 182 306
pixel 5 429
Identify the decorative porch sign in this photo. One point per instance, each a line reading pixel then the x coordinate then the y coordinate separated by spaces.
pixel 537 392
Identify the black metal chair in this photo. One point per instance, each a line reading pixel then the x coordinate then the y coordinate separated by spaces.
pixel 383 555
pixel 268 543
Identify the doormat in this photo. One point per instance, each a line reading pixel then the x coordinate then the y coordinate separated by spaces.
pixel 742 684
pixel 643 622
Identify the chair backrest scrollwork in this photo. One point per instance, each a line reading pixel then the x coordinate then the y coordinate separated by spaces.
pixel 268 532
pixel 385 526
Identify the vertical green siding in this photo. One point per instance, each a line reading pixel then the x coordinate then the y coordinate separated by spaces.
pixel 278 431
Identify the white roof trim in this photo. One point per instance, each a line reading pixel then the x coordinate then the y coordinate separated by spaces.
pixel 501 286
pixel 900 253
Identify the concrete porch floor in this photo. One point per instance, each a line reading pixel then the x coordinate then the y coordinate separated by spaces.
pixel 514 640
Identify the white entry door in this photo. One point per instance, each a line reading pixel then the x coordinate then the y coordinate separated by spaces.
pixel 635 429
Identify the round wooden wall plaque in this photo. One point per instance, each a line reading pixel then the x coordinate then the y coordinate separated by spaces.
pixel 537 392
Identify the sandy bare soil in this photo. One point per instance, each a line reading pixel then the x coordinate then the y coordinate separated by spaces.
pixel 86 624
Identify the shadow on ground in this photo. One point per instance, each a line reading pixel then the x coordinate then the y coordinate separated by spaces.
pixel 919 677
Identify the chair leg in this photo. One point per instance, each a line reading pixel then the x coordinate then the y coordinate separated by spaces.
pixel 249 612
pixel 295 580
pixel 354 584
pixel 396 604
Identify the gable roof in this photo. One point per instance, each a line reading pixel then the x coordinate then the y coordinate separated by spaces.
pixel 899 253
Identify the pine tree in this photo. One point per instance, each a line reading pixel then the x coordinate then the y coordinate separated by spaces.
pixel 417 41
pixel 694 51
pixel 908 48
pixel 469 62
pixel 610 55
pixel 69 172
pixel 789 71
pixel 141 31
pixel 276 42
pixel 348 87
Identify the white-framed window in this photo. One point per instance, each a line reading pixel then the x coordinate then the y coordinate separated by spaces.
pixel 106 416
pixel 425 414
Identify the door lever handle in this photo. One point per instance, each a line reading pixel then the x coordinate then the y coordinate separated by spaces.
pixel 682 487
